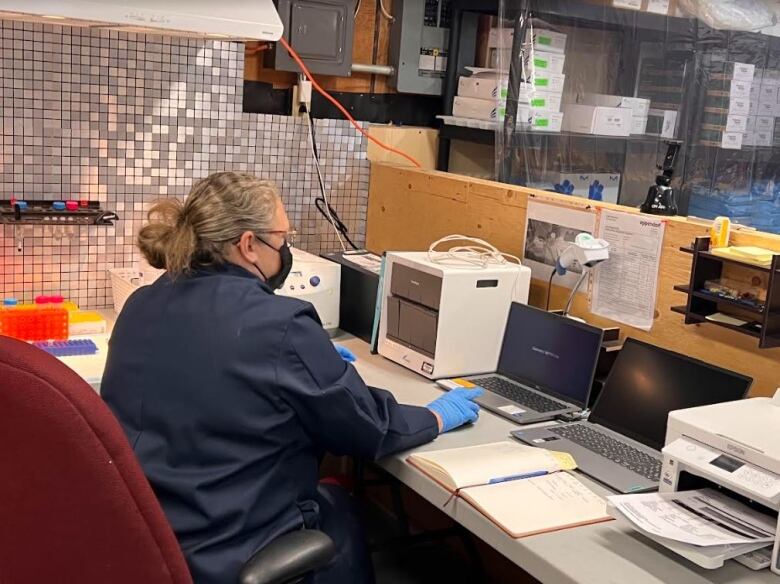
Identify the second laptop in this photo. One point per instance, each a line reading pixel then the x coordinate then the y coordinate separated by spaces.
pixel 545 368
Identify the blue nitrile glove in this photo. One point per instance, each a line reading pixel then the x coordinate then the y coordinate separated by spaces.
pixel 345 353
pixel 456 407
pixel 595 191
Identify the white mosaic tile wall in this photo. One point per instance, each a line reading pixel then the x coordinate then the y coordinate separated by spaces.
pixel 125 119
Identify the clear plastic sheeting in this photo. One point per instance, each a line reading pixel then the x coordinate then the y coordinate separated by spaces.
pixel 585 96
pixel 730 14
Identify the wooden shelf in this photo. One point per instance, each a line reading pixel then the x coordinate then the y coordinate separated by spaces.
pixel 716 298
pixel 706 266
pixel 732 261
pixel 701 319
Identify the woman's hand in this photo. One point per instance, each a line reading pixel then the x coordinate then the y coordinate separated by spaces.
pixel 456 407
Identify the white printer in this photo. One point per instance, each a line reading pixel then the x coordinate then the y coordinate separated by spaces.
pixel 445 320
pixel 318 281
pixel 733 447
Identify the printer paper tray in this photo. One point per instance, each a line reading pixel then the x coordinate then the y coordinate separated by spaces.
pixel 709 557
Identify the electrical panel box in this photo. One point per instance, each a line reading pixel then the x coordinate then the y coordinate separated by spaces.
pixel 321 32
pixel 418 45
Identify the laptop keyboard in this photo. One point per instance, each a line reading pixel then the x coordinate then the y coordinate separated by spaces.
pixel 615 450
pixel 519 394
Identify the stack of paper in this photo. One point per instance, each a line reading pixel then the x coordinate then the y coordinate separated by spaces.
pixel 748 253
pixel 703 525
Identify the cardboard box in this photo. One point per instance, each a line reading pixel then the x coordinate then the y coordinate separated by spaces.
pixel 546 82
pixel 544 121
pixel 488 85
pixel 638 106
pixel 767 93
pixel 590 119
pixel 499 57
pixel 478 109
pixel 482 86
pixel 751 124
pixel 764 124
pixel 662 123
pixel 638 124
pixel 541 62
pixel 731 140
pixel 739 106
pixel 546 40
pixel 737 70
pixel 764 138
pixel 668 7
pixel 501 38
pixel 543 100
pixel 764 109
pixel 736 123
pixel 740 88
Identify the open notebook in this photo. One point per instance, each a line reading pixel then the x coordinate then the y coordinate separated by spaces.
pixel 522 489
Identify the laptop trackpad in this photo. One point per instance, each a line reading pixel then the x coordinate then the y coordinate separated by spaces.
pixel 491 400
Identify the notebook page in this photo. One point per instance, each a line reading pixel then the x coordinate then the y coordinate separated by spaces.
pixel 478 465
pixel 538 505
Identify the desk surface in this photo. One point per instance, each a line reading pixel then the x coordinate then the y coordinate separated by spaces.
pixel 597 554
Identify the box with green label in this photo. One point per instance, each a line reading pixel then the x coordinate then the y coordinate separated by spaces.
pixel 541 100
pixel 542 121
pixel 542 62
pixel 546 40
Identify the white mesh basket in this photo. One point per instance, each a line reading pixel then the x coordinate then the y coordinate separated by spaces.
pixel 125 281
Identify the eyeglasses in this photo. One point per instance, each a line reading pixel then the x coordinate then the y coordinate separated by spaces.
pixel 289 235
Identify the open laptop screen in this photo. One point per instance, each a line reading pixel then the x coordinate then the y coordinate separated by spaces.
pixel 550 353
pixel 647 382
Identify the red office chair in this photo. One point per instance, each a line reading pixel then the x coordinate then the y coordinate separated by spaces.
pixel 75 506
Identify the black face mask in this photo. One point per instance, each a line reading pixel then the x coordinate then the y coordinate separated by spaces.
pixel 285 255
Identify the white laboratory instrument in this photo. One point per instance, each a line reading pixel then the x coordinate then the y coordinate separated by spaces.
pixel 733 447
pixel 316 280
pixel 586 251
pixel 447 318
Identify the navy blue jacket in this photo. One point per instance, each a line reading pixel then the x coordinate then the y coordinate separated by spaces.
pixel 229 396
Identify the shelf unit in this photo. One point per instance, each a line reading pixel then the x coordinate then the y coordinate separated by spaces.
pixel 700 304
pixel 634 26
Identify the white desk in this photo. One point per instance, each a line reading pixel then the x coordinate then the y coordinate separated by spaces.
pixel 595 554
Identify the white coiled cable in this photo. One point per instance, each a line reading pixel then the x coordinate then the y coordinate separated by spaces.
pixel 478 255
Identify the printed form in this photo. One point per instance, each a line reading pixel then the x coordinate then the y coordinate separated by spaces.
pixel 625 286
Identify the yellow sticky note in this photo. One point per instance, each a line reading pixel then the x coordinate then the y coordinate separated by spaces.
pixel 463 382
pixel 565 460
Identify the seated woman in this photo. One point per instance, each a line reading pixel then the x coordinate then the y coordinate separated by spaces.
pixel 230 395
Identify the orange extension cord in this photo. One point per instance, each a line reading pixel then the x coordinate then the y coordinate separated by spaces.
pixel 340 107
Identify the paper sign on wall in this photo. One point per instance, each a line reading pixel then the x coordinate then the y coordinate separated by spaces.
pixel 626 285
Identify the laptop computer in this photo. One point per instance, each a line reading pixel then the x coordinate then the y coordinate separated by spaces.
pixel 545 368
pixel 620 444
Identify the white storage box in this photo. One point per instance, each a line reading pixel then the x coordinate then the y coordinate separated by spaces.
pixel 482 86
pixel 542 100
pixel 590 119
pixel 479 109
pixel 542 121
pixel 638 106
pixel 542 39
pixel 542 62
pixel 638 125
pixel 125 281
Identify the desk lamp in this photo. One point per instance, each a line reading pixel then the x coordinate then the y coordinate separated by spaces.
pixel 588 252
